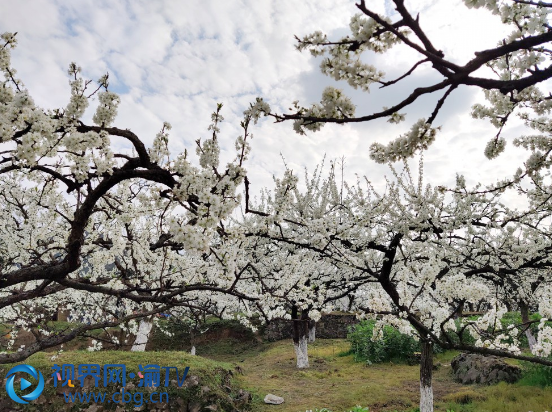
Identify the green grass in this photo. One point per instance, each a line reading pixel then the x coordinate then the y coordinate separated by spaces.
pixel 335 381
pixel 504 398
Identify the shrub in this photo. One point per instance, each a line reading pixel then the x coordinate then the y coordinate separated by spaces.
pixel 394 345
pixel 537 375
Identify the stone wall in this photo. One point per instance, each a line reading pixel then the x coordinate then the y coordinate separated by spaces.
pixel 330 326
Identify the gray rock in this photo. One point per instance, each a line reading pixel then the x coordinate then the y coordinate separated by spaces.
pixel 487 370
pixel 273 399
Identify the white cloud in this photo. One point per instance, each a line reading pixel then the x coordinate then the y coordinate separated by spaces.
pixel 174 60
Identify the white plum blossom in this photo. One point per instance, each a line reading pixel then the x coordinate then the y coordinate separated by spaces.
pixel 107 109
pixel 334 104
pixel 255 109
pixel 420 136
pixel 108 235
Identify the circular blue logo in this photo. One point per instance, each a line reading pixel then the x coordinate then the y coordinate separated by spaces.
pixel 24 383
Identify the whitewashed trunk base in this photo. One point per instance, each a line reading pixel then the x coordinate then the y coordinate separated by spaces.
pixel 426 398
pixel 142 336
pixel 192 352
pixel 426 376
pixel 312 333
pixel 301 353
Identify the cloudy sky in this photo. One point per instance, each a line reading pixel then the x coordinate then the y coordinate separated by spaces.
pixel 174 60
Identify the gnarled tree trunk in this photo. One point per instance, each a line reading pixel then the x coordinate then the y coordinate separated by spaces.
pixel 426 374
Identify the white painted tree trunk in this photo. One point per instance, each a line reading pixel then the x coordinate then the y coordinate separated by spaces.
pixel 312 332
pixel 192 352
pixel 301 352
pixel 426 398
pixel 301 336
pixel 142 336
pixel 426 375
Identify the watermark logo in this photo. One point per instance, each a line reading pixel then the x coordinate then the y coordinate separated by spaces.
pixel 24 383
pixel 68 375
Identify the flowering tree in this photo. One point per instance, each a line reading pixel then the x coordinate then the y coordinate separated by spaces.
pixel 109 234
pixel 514 85
pixel 413 256
pixel 428 253
pixel 292 282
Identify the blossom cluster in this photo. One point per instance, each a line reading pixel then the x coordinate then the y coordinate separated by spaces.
pixel 418 138
pixel 140 227
pixel 334 104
